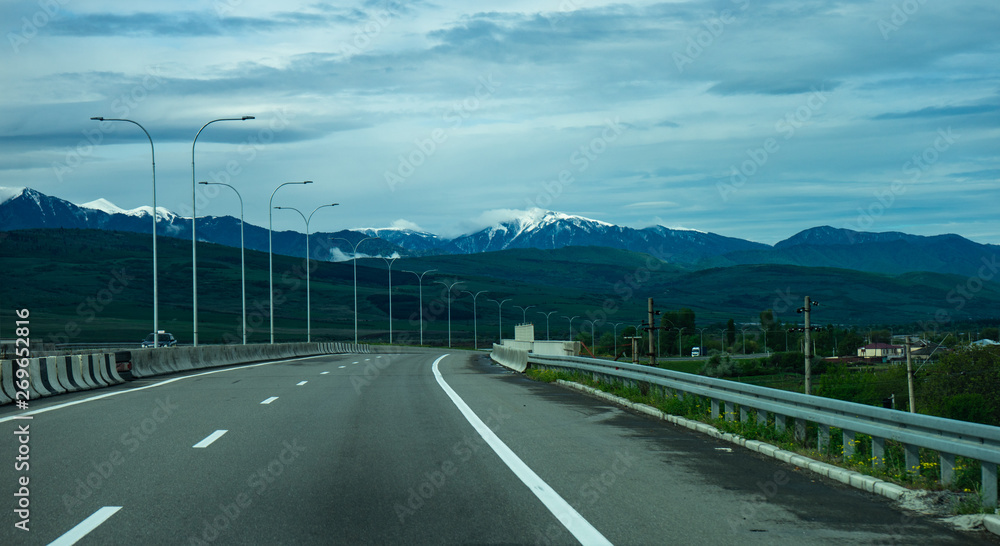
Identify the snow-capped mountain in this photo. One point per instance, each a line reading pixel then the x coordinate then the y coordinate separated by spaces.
pixel 825 246
pixel 25 208
pixel 412 240
pixel 108 207
pixel 537 228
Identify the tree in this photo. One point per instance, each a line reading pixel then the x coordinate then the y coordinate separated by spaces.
pixel 731 332
pixel 767 321
pixel 964 385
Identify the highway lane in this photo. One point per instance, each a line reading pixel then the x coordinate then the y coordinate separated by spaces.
pixel 371 449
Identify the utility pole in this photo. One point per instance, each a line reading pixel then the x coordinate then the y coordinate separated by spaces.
pixel 652 329
pixel 909 377
pixel 807 345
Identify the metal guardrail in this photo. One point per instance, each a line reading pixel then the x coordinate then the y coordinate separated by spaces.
pixel 946 436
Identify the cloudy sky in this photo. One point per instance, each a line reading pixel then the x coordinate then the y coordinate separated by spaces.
pixel 747 118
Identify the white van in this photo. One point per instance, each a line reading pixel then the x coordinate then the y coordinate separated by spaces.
pixel 695 351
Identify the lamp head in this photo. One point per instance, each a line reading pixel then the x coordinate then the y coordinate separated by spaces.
pixel 97 119
pixel 248 117
pixel 203 182
pixel 307 182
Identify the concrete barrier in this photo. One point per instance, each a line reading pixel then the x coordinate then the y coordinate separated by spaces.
pixel 111 369
pixel 510 357
pixel 76 375
pixel 101 363
pixel 64 366
pixel 37 388
pixel 92 367
pixel 151 362
pixel 50 377
pixel 6 381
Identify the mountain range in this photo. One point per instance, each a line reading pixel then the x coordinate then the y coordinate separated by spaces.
pixel 888 252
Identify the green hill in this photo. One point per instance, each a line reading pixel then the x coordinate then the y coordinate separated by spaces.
pixel 95 286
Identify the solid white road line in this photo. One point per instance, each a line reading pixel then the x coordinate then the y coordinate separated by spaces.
pixel 581 529
pixel 210 438
pixel 85 526
pixel 300 383
pixel 269 400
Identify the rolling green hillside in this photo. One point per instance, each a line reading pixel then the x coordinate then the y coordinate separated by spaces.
pixel 92 286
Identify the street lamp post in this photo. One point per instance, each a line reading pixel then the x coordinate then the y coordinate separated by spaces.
pixel 308 266
pixel 475 327
pixel 570 319
pixel 524 313
pixel 156 288
pixel 243 267
pixel 450 287
pixel 701 331
pixel 420 284
pixel 500 315
pixel 593 338
pixel 389 262
pixel 194 223
pixel 355 260
pixel 744 331
pixel 546 322
pixel 615 334
pixel 270 252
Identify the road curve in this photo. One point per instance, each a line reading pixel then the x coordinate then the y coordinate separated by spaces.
pixel 393 449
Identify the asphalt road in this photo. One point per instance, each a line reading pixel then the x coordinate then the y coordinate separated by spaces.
pixel 391 449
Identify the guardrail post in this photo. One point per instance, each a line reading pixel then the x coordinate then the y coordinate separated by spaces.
pixel 912 458
pixel 947 461
pixel 730 411
pixel 849 444
pixel 715 409
pixel 779 422
pixel 822 436
pixel 800 429
pixel 878 452
pixel 989 484
pixel 761 417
